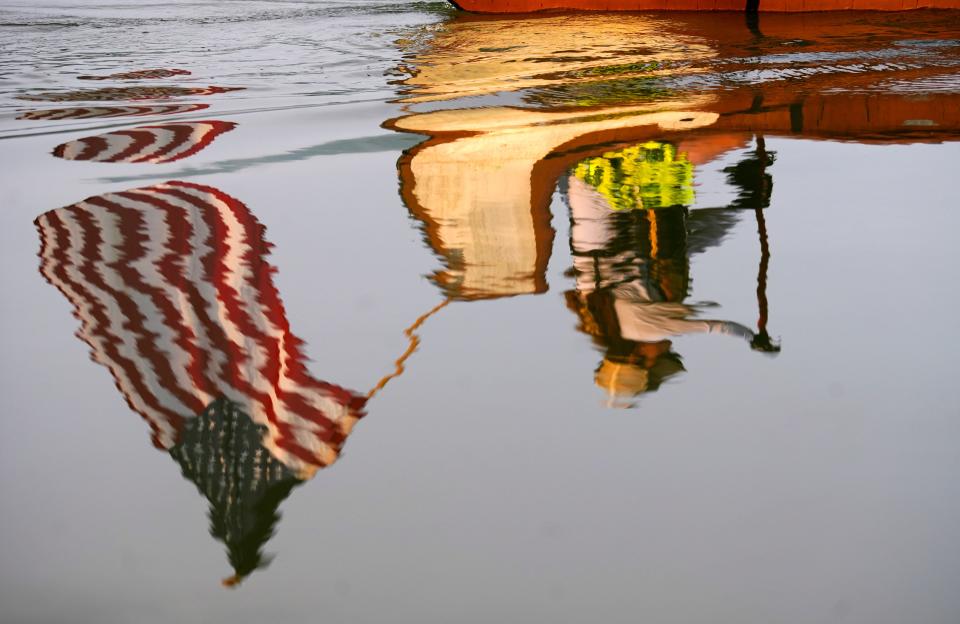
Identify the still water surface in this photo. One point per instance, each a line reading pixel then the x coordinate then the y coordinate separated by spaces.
pixel 618 318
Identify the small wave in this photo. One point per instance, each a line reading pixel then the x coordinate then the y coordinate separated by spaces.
pixel 39 24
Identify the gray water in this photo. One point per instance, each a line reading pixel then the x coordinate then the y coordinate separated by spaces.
pixel 683 290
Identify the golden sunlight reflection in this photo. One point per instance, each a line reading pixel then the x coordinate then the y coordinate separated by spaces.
pixel 472 56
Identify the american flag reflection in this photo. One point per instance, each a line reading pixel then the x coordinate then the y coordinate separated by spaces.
pixel 175 296
pixel 146 144
pixel 95 112
pixel 146 92
pixel 140 74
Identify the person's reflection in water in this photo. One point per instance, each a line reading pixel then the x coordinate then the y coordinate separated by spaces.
pixel 631 237
pixel 175 296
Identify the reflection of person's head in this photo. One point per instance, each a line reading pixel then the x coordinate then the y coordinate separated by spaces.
pixel 629 367
pixel 642 371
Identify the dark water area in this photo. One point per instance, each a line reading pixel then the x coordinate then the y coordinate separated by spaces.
pixel 361 312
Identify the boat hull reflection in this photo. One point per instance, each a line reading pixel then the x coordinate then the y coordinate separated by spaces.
pixel 775 6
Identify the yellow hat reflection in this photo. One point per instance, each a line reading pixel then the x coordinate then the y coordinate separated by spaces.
pixel 622 378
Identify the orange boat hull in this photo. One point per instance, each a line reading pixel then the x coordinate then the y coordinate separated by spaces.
pixel 781 6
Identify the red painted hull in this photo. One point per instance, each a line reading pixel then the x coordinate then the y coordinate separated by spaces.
pixel 781 6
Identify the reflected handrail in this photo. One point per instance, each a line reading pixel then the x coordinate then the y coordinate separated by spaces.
pixel 631 259
pixel 412 346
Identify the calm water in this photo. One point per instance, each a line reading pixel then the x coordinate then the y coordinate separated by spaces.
pixel 647 317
